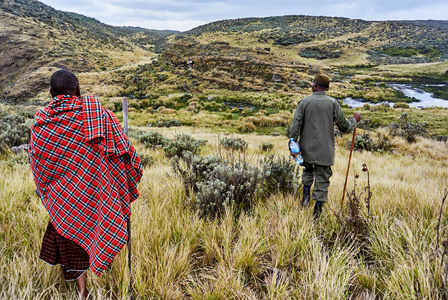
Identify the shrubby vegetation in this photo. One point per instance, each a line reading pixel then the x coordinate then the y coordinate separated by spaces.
pixel 228 180
pixel 365 142
pixel 282 175
pixel 266 146
pixel 267 245
pixel 151 139
pixel 320 53
pixel 14 131
pixel 146 160
pixel 407 129
pixel 182 145
pixel 233 144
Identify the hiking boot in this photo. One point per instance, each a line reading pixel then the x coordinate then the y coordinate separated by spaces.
pixel 317 209
pixel 306 196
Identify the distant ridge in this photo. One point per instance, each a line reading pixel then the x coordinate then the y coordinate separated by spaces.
pixel 323 38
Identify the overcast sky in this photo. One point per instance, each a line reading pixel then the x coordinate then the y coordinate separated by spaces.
pixel 186 14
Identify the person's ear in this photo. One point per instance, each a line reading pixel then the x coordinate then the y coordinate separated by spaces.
pixel 52 92
pixel 78 92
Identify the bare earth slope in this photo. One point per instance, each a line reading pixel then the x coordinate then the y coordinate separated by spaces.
pixel 35 39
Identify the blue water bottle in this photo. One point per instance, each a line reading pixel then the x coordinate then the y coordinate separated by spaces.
pixel 294 147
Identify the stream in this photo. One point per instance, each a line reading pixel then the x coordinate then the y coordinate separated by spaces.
pixel 425 99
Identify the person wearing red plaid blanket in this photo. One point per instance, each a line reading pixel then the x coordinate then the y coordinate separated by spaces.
pixel 86 173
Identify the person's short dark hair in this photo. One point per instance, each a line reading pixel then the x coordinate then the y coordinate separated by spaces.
pixel 63 82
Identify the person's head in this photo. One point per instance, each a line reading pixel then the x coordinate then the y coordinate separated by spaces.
pixel 63 82
pixel 321 83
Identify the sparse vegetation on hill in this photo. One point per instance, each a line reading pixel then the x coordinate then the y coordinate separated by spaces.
pixel 275 54
pixel 36 39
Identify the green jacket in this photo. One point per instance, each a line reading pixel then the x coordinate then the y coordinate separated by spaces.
pixel 314 121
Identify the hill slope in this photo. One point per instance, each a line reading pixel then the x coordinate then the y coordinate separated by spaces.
pixel 274 54
pixel 327 38
pixel 34 38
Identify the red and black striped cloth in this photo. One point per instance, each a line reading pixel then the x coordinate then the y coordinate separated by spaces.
pixel 86 171
pixel 57 250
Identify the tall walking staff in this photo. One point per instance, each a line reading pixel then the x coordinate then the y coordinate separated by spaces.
pixel 348 167
pixel 125 129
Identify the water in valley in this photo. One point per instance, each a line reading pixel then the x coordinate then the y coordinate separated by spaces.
pixel 425 99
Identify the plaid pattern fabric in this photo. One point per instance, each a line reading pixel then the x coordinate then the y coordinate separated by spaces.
pixel 57 250
pixel 86 172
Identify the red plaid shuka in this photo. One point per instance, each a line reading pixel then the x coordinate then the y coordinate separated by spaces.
pixel 86 172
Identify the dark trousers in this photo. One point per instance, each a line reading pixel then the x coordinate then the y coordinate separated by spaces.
pixel 320 176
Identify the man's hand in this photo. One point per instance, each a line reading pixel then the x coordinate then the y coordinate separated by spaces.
pixel 294 155
pixel 357 117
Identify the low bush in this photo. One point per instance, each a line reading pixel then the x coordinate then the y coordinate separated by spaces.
pixel 401 105
pixel 14 131
pixel 266 146
pixel 234 185
pixel 282 175
pixel 182 144
pixel 407 129
pixel 151 139
pixel 365 142
pixel 217 183
pixel 195 168
pixel 147 160
pixel 233 144
pixel 172 123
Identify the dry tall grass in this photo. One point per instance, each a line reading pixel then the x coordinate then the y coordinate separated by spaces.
pixel 274 251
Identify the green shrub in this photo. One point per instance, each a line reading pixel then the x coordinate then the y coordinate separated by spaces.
pixel 407 129
pixel 282 175
pixel 197 169
pixel 234 185
pixel 172 123
pixel 266 146
pixel 14 131
pixel 151 139
pixel 218 183
pixel 401 105
pixel 233 144
pixel 182 144
pixel 147 160
pixel 365 142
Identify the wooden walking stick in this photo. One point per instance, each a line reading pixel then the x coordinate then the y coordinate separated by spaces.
pixel 125 129
pixel 348 167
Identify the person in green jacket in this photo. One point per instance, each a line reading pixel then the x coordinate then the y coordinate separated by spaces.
pixel 313 122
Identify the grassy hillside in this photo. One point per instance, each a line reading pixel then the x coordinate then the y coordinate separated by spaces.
pixel 36 40
pixel 326 38
pixel 275 54
pixel 277 58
